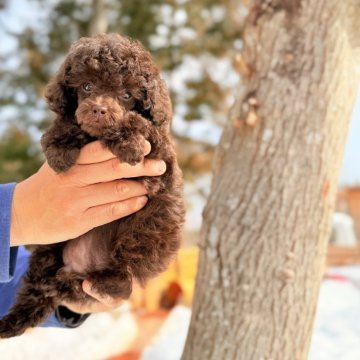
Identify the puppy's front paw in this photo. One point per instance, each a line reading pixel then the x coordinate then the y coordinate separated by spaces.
pixel 130 150
pixel 60 159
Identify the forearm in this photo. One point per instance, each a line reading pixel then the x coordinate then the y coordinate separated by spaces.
pixel 14 261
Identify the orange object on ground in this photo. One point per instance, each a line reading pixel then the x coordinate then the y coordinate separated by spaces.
pixel 131 355
pixel 181 271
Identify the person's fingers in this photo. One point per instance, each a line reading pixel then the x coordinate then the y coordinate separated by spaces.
pixel 109 192
pixel 77 307
pixel 97 307
pixel 113 169
pixel 101 302
pixel 106 300
pixel 91 307
pixel 95 152
pixel 103 214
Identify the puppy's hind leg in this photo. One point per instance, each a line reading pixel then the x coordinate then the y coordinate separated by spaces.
pixel 30 309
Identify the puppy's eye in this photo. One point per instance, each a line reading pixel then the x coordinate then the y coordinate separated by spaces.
pixel 87 87
pixel 126 96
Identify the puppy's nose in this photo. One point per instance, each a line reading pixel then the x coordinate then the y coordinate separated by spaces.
pixel 99 111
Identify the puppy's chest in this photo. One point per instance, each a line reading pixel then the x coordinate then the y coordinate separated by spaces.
pixel 87 252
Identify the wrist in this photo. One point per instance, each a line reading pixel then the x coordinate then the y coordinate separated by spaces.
pixel 14 225
pixel 17 237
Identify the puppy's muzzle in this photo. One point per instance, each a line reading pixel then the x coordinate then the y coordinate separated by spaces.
pixel 97 115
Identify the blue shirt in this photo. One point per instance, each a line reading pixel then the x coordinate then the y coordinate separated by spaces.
pixel 13 260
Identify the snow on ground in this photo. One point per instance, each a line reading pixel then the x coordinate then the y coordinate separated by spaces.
pixel 169 343
pixel 101 336
pixel 336 335
pixel 337 326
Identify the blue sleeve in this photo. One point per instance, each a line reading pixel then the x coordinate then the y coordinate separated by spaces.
pixel 7 254
pixel 13 260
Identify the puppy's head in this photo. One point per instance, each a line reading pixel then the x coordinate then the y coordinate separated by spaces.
pixel 103 77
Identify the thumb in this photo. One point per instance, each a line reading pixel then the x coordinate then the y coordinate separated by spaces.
pixel 107 300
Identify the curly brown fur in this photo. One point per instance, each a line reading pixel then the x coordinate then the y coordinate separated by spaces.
pixel 127 101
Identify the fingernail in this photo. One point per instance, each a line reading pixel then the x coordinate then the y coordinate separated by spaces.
pixel 86 286
pixel 147 148
pixel 161 167
pixel 142 201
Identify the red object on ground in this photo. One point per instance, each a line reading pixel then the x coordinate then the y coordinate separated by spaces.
pixel 336 277
pixel 170 296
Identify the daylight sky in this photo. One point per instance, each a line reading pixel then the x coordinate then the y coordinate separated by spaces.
pixel 350 174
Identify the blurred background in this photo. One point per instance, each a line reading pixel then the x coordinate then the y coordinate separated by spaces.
pixel 195 42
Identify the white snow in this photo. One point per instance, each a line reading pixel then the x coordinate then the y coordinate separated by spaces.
pixel 336 332
pixel 337 326
pixel 169 343
pixel 343 232
pixel 101 336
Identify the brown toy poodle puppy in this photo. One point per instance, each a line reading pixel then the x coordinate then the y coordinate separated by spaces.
pixel 107 89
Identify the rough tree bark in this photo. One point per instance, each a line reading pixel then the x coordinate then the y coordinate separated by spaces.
pixel 266 224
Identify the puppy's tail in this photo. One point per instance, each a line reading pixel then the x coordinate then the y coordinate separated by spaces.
pixel 30 310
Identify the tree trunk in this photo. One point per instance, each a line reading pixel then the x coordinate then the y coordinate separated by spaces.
pixel 267 221
pixel 98 23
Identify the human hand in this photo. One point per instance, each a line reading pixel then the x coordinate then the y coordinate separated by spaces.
pixel 49 207
pixel 101 302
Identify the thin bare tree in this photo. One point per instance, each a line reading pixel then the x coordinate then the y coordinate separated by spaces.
pixel 99 22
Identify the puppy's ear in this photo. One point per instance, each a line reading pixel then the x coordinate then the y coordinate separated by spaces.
pixel 160 108
pixel 61 98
